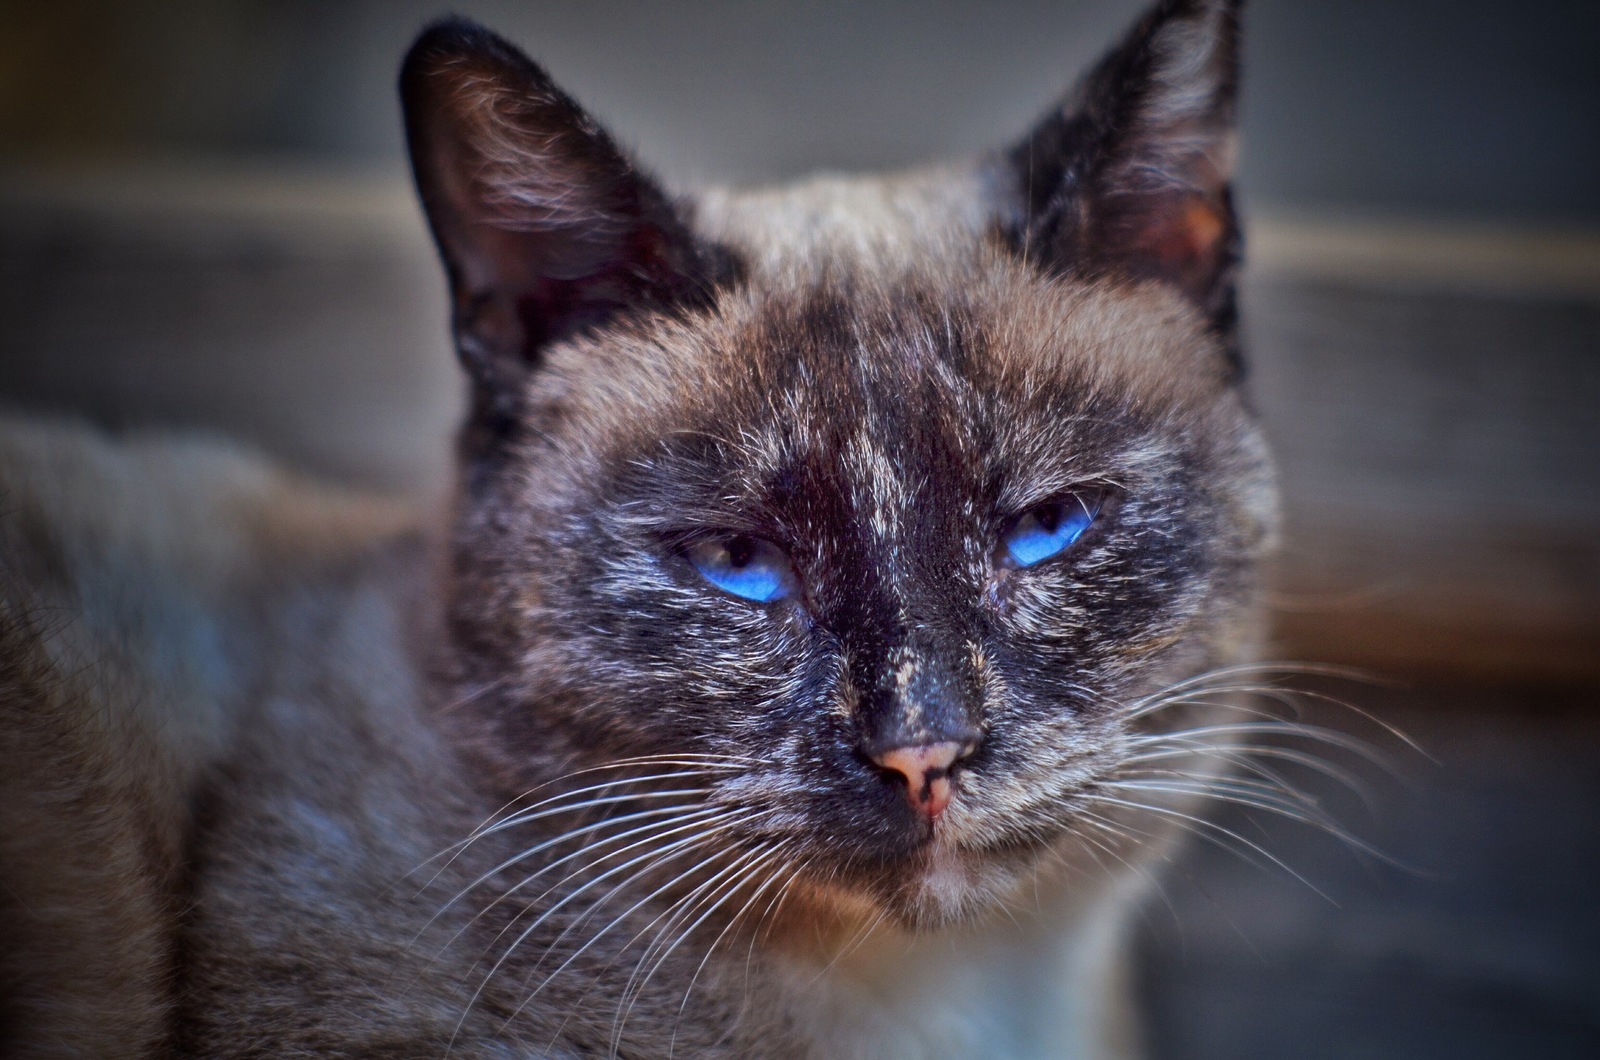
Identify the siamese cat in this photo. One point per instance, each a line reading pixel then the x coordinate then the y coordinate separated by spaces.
pixel 827 640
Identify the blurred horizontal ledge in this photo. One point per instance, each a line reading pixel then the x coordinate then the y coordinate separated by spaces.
pixel 1496 258
pixel 1467 257
pixel 1397 594
pixel 1453 649
pixel 303 203
pixel 1430 390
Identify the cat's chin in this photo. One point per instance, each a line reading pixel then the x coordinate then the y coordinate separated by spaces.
pixel 944 886
pixel 954 887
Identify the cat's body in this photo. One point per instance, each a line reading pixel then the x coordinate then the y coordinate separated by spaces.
pixel 826 564
pixel 306 765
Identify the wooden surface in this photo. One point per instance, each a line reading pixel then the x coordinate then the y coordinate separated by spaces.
pixel 1440 458
pixel 1433 393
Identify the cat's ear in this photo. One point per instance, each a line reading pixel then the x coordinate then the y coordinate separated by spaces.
pixel 546 228
pixel 1131 173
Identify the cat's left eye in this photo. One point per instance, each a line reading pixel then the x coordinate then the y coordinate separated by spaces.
pixel 1047 530
pixel 744 566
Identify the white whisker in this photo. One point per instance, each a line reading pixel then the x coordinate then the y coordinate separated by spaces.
pixel 677 813
pixel 771 854
pixel 727 881
pixel 496 822
pixel 653 857
pixel 1205 828
pixel 607 928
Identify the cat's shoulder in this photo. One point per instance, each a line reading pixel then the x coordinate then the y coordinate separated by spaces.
pixel 140 566
pixel 138 577
pixel 171 504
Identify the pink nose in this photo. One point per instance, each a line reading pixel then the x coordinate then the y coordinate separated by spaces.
pixel 927 772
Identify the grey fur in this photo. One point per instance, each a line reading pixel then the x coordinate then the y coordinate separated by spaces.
pixel 561 796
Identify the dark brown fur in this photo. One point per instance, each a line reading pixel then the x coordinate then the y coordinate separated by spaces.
pixel 570 799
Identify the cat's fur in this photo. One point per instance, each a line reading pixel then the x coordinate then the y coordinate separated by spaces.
pixel 283 796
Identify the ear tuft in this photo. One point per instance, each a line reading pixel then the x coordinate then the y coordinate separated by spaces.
pixel 546 228
pixel 1131 173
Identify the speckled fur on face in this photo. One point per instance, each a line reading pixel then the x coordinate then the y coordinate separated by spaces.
pixel 877 376
pixel 882 427
pixel 575 800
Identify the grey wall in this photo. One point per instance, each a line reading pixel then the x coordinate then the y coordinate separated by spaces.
pixel 1475 107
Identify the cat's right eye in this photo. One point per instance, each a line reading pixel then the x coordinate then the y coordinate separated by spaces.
pixel 744 566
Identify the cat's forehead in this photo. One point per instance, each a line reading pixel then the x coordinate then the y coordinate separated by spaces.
pixel 881 223
pixel 894 328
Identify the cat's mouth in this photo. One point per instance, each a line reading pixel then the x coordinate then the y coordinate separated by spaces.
pixel 967 842
pixel 941 885
pixel 954 871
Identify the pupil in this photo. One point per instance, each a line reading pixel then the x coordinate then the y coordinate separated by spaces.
pixel 1048 517
pixel 740 552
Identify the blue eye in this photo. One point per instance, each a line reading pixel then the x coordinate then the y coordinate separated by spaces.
pixel 747 567
pixel 1048 530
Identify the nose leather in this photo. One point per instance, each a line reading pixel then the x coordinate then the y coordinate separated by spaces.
pixel 926 769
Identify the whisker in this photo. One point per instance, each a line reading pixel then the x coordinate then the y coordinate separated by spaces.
pixel 1137 838
pixel 726 883
pixel 1220 682
pixel 567 837
pixel 771 856
pixel 1205 830
pixel 652 833
pixel 657 857
pixel 850 945
pixel 668 885
pixel 1312 733
pixel 662 830
pixel 1291 698
pixel 601 933
pixel 693 769
pixel 1274 789
pixel 1255 800
pixel 588 804
pixel 1271 669
pixel 669 911
pixel 494 820
pixel 1244 757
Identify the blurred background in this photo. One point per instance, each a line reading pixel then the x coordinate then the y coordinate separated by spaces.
pixel 206 223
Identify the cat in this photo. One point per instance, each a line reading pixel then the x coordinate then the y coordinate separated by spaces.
pixel 815 662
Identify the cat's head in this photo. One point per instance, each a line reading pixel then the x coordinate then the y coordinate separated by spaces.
pixel 887 500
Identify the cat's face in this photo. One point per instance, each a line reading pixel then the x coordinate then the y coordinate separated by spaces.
pixel 898 498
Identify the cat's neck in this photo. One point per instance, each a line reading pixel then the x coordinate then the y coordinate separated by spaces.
pixel 1038 978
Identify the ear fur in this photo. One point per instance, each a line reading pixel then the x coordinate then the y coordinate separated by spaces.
pixel 1130 173
pixel 545 227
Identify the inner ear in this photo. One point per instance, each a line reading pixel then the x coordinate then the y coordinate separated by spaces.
pixel 1130 174
pixel 546 228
